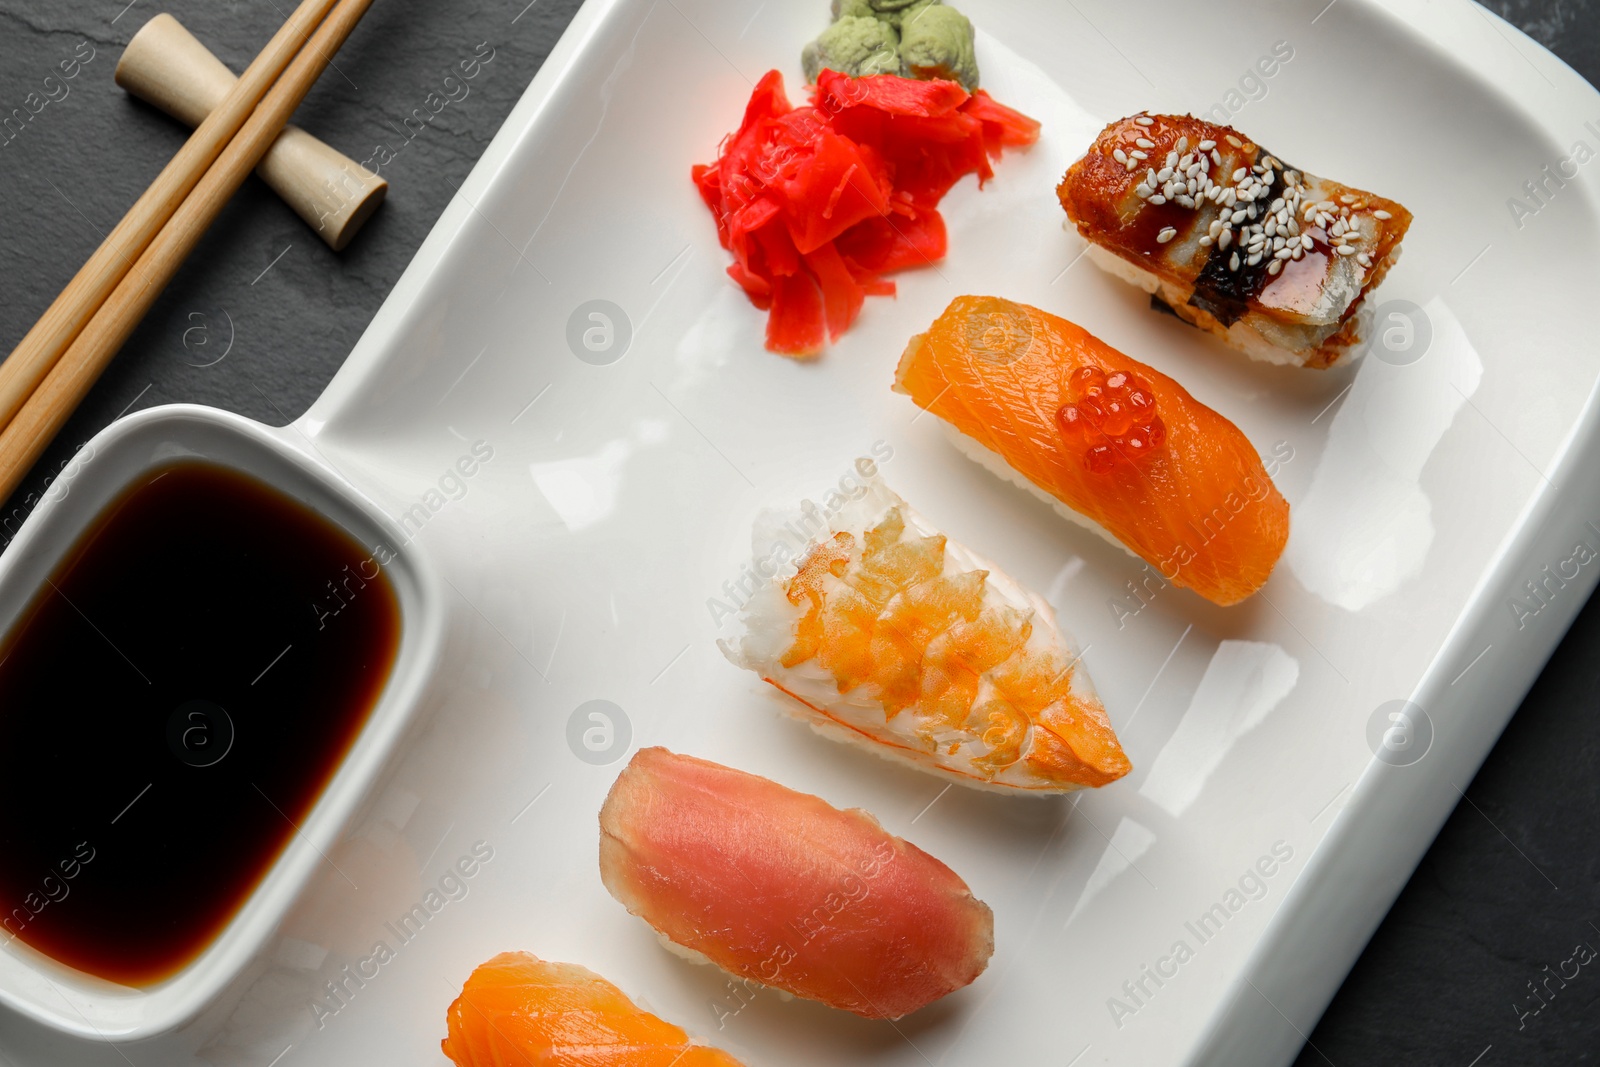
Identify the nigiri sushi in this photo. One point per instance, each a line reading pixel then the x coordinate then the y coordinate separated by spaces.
pixel 891 636
pixel 782 889
pixel 1111 443
pixel 1275 261
pixel 519 1009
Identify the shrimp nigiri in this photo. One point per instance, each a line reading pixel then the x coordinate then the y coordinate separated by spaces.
pixel 1111 443
pixel 891 636
pixel 782 889
pixel 517 1009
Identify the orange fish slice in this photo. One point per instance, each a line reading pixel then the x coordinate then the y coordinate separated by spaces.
pixel 520 1010
pixel 1113 444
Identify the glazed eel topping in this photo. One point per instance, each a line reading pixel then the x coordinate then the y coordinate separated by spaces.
pixel 1232 239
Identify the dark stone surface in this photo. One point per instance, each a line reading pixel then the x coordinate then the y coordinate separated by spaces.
pixel 1511 885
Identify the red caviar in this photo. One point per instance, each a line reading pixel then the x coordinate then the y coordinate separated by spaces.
pixel 1112 418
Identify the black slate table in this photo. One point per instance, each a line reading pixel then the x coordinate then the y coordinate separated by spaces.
pixel 1508 889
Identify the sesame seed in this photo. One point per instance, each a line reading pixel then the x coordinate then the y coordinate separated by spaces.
pixel 1166 235
pixel 1145 120
pixel 1298 251
pixel 1347 199
pixel 1235 141
pixel 1346 250
pixel 1142 191
pixel 1233 262
pixel 1132 165
pixel 1207 145
pixel 1186 201
pixel 1364 259
pixel 1253 260
pixel 1238 216
pixel 1165 174
pixel 1158 199
pixel 1120 156
pixel 1275 266
pixel 1225 240
pixel 1136 154
pixel 1207 242
pixel 1305 241
pixel 1239 174
pixel 1183 144
pixel 1172 159
pixel 1145 142
pixel 1152 179
pixel 1283 253
pixel 1381 214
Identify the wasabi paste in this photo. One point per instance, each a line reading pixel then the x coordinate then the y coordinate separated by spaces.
pixel 855 46
pixel 912 38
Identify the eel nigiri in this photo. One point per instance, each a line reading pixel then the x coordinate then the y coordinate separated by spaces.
pixel 1275 261
pixel 1111 443
pixel 519 1009
pixel 891 636
pixel 780 888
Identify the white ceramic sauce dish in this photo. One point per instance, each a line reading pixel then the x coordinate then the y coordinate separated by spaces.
pixel 77 1004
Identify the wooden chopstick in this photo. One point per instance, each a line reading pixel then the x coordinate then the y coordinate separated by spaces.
pixel 38 351
pixel 48 407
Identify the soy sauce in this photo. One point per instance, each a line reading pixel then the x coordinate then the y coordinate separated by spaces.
pixel 172 705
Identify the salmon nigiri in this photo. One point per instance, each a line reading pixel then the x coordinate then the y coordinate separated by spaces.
pixel 782 889
pixel 891 636
pixel 1111 443
pixel 519 1009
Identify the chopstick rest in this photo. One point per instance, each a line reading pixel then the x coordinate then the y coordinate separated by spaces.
pixel 167 67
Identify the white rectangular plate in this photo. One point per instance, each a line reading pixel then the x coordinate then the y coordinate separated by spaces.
pixel 1257 830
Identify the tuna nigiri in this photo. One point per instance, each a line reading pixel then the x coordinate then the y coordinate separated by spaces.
pixel 519 1009
pixel 1111 443
pixel 1273 260
pixel 782 889
pixel 891 636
